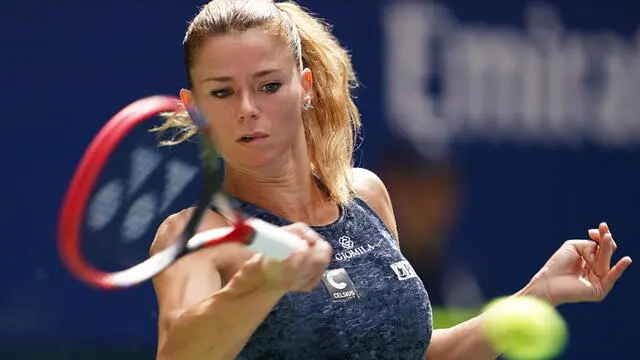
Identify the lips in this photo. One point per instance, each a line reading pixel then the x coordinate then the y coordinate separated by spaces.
pixel 252 137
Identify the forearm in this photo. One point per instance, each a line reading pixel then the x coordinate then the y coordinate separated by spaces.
pixel 219 327
pixel 465 341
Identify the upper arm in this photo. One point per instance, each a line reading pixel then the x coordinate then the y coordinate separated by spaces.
pixel 188 281
pixel 370 188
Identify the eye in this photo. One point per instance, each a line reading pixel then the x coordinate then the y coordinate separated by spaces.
pixel 271 88
pixel 222 93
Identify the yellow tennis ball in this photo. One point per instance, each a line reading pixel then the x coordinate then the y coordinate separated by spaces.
pixel 524 328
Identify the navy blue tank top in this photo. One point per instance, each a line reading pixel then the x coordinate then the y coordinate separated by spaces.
pixel 369 305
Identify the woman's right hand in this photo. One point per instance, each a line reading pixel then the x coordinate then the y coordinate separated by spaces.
pixel 302 271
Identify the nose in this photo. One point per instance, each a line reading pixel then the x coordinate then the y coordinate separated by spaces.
pixel 248 108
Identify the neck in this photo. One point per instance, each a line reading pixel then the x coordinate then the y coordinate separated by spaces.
pixel 290 192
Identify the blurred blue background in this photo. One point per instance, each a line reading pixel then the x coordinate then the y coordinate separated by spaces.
pixel 514 124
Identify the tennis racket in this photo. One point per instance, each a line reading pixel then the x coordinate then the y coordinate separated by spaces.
pixel 125 185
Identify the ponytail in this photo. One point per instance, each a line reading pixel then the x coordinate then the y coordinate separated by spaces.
pixel 333 121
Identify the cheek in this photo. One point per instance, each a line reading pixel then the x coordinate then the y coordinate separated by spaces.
pixel 285 112
pixel 220 124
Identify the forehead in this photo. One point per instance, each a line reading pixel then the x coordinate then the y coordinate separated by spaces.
pixel 241 52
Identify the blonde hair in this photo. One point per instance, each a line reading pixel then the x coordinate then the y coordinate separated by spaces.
pixel 332 122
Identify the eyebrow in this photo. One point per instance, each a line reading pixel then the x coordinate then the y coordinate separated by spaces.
pixel 259 74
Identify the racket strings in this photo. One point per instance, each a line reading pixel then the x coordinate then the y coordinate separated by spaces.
pixel 140 185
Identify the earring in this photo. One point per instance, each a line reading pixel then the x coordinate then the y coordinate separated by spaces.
pixel 307 105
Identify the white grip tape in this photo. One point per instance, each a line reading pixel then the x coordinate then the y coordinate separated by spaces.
pixel 268 239
pixel 203 237
pixel 272 241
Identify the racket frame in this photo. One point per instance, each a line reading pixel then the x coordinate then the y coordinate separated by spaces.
pixel 259 236
pixel 83 183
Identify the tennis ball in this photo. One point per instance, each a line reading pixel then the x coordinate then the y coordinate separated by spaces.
pixel 524 328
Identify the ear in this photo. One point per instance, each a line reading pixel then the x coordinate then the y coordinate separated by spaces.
pixel 307 82
pixel 187 97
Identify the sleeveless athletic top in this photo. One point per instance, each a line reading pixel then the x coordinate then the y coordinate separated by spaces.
pixel 369 305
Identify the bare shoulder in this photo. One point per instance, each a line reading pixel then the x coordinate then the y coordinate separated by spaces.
pixel 174 224
pixel 370 188
pixel 168 229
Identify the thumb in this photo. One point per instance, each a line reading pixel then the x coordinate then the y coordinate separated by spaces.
pixel 585 248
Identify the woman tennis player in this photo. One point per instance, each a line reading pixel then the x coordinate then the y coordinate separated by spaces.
pixel 276 87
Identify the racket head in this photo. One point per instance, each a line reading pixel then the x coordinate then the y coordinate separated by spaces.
pixel 82 194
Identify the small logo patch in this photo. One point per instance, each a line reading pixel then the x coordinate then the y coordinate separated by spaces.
pixel 403 270
pixel 339 285
pixel 346 242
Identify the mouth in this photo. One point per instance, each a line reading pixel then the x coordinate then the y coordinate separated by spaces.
pixel 252 137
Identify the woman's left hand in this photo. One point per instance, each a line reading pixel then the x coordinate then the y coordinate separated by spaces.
pixel 580 270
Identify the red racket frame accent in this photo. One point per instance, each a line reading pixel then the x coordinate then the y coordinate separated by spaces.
pixel 87 172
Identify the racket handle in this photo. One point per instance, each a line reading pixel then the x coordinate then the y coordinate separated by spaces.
pixel 272 241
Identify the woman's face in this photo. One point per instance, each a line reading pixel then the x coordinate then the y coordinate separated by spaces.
pixel 249 87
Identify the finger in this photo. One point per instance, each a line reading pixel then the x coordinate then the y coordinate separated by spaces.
pixel 317 260
pixel 298 269
pixel 313 282
pixel 322 255
pixel 594 234
pixel 613 243
pixel 603 259
pixel 586 249
pixel 312 237
pixel 305 232
pixel 304 283
pixel 324 251
pixel 603 229
pixel 615 273
pixel 297 228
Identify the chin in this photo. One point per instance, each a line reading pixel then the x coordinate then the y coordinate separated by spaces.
pixel 259 157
